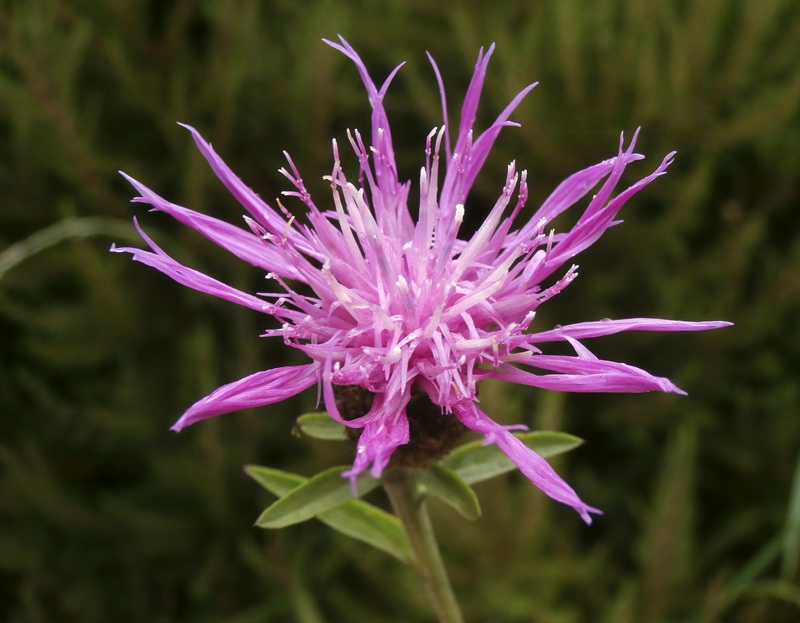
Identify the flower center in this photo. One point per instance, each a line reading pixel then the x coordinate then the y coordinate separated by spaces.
pixel 432 434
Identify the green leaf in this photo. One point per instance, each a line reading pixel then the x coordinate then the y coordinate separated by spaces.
pixel 450 488
pixel 357 519
pixel 371 525
pixel 276 481
pixel 475 462
pixel 320 425
pixel 322 492
pixel 790 564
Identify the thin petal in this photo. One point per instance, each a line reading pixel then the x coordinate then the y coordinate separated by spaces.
pixel 596 220
pixel 443 98
pixel 256 390
pixel 469 109
pixel 378 440
pixel 576 374
pixel 572 190
pixel 529 463
pixel 243 244
pixel 567 194
pixel 189 276
pixel 483 144
pixel 383 156
pixel 582 330
pixel 257 208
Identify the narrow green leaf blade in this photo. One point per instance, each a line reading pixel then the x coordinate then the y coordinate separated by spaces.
pixel 451 489
pixel 790 564
pixel 356 518
pixel 320 425
pixel 322 492
pixel 276 481
pixel 475 462
pixel 371 525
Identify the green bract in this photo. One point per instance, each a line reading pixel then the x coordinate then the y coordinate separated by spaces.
pixel 355 518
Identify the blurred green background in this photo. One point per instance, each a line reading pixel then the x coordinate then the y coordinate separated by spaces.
pixel 105 515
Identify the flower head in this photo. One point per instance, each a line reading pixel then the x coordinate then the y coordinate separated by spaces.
pixel 403 307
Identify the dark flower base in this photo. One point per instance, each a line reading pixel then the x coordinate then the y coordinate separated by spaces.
pixel 432 433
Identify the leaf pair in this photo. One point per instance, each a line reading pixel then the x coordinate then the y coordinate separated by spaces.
pixel 330 498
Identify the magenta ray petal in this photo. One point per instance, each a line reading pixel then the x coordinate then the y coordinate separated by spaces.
pixel 256 390
pixel 260 211
pixel 469 108
pixel 243 244
pixel 190 277
pixel 575 374
pixel 385 168
pixel 379 438
pixel 593 224
pixel 483 145
pixel 571 190
pixel 581 330
pixel 535 468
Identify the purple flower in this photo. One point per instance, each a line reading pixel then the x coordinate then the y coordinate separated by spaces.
pixel 392 305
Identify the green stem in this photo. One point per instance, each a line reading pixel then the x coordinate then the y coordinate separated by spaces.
pixel 410 507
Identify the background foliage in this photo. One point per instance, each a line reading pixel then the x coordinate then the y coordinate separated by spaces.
pixel 105 515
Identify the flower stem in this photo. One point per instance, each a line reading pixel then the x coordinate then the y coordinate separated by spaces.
pixel 409 504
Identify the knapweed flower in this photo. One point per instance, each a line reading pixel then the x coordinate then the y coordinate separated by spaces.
pixel 403 307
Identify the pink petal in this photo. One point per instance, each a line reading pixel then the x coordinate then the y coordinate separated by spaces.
pixel 243 244
pixel 581 375
pixel 190 277
pixel 529 463
pixel 599 328
pixel 256 390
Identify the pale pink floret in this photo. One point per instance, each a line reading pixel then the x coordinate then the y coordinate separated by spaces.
pixel 399 303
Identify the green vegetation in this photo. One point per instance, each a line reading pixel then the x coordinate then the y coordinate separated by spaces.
pixel 107 516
